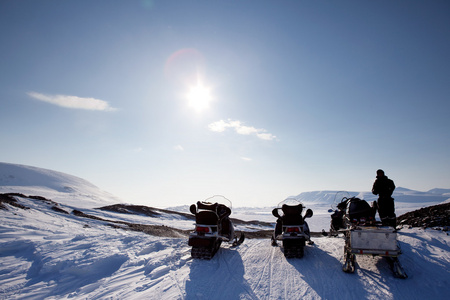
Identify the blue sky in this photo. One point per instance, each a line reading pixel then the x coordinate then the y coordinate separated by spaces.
pixel 168 102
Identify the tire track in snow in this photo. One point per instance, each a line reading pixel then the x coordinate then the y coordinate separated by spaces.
pixel 272 276
pixel 232 273
pixel 266 265
pixel 258 258
pixel 222 275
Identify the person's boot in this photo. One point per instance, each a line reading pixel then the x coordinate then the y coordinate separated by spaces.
pixel 274 241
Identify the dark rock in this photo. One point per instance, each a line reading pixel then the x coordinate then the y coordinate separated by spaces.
pixel 432 216
pixel 9 199
pixel 57 209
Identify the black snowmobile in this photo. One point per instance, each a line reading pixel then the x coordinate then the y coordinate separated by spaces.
pixel 291 227
pixel 351 211
pixel 364 235
pixel 212 226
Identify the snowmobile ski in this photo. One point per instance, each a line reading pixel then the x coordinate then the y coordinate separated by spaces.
pixel 349 263
pixel 396 267
pixel 239 241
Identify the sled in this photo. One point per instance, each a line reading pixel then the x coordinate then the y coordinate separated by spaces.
pixel 374 241
pixel 365 236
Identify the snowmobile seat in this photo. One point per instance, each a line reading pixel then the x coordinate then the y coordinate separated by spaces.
pixel 292 214
pixel 360 211
pixel 292 220
pixel 206 217
pixel 207 206
pixel 292 209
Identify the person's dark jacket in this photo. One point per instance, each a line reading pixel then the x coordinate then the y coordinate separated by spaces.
pixel 383 187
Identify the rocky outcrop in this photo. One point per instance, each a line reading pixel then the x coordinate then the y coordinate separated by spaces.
pixel 432 216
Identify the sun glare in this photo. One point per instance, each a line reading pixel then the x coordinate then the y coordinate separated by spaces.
pixel 199 97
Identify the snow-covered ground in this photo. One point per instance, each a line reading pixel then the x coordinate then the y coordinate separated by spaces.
pixel 49 255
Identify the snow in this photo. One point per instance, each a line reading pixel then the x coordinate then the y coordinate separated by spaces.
pixel 45 254
pixel 59 187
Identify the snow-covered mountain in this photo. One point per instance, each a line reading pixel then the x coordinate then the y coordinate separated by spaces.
pixel 440 191
pixel 60 187
pixel 48 253
pixel 400 195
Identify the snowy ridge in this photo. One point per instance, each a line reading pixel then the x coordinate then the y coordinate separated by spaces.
pixel 323 197
pixel 445 192
pixel 60 187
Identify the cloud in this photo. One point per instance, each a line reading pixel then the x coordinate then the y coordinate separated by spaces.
pixel 73 101
pixel 221 126
pixel 246 158
pixel 178 148
pixel 218 126
pixel 266 136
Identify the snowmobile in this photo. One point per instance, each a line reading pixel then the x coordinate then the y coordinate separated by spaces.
pixel 212 227
pixel 291 227
pixel 364 235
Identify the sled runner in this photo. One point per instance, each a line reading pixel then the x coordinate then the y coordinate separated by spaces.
pixel 212 227
pixel 355 218
pixel 291 227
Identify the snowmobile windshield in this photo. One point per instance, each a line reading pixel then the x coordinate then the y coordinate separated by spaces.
pixel 338 197
pixel 288 206
pixel 289 202
pixel 219 200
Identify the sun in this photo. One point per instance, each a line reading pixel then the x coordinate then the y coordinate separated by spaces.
pixel 199 97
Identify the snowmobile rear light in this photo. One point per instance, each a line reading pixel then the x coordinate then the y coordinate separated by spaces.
pixel 203 229
pixel 292 229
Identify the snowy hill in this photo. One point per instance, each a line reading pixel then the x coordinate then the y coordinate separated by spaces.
pixel 441 192
pixel 79 252
pixel 60 187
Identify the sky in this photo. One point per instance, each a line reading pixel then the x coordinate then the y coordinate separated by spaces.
pixel 166 103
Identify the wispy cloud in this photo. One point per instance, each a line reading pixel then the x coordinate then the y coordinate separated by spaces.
pixel 246 158
pixel 178 148
pixel 221 126
pixel 73 101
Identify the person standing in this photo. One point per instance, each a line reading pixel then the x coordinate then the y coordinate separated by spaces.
pixel 384 187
